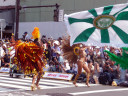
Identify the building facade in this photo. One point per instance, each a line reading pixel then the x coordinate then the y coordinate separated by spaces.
pixel 44 14
pixel 43 17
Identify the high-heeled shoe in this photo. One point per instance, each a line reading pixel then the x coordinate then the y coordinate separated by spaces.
pixel 37 86
pixel 33 87
pixel 87 84
pixel 75 84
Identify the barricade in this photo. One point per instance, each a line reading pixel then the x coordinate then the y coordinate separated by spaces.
pixel 4 70
pixel 56 75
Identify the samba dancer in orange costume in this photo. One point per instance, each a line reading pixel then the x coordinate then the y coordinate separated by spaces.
pixel 30 56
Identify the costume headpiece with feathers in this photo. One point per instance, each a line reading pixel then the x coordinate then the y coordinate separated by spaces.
pixel 36 33
pixel 70 53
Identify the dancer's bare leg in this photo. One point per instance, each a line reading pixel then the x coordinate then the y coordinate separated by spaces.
pixel 87 75
pixel 33 82
pixel 78 74
pixel 38 79
pixel 74 82
pixel 87 80
pixel 39 74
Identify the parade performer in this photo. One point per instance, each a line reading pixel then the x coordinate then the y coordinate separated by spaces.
pixel 30 57
pixel 122 60
pixel 75 54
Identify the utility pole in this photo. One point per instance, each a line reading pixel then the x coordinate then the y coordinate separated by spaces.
pixel 17 19
pixel 56 12
pixel 18 8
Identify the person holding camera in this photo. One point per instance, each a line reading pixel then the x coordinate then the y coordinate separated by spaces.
pixel 110 72
pixel 110 68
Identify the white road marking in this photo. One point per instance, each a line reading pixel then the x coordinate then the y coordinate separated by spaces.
pixel 13 84
pixel 46 81
pixel 98 91
pixel 28 82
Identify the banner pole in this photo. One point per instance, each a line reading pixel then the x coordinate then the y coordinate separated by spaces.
pixel 1 30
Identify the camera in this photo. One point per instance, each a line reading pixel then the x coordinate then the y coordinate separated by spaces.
pixel 106 63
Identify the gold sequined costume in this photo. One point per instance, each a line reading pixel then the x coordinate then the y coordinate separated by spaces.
pixel 29 55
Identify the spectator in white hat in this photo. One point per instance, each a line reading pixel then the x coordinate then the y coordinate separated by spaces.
pixel 55 48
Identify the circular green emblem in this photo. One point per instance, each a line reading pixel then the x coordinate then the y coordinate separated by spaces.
pixel 103 21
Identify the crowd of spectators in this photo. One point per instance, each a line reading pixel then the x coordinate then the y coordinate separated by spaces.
pixel 101 67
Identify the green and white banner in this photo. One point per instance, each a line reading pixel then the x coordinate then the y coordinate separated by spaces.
pixel 100 26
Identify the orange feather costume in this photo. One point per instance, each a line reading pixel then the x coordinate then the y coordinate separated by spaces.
pixel 30 56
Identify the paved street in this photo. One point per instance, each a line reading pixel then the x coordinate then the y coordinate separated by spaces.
pixel 21 87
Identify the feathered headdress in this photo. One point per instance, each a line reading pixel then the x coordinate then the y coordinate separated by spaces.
pixel 36 33
pixel 70 53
